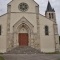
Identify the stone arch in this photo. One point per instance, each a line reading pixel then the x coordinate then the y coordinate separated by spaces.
pixel 23 30
pixel 22 23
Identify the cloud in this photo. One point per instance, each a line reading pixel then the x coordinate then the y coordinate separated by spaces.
pixel 3 6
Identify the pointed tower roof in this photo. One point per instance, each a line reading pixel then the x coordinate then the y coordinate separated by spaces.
pixel 49 8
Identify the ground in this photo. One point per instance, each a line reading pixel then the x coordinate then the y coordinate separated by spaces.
pixel 31 56
pixel 29 53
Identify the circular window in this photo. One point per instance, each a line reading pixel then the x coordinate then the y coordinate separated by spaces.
pixel 23 6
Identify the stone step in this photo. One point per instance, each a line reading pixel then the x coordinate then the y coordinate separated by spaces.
pixel 24 50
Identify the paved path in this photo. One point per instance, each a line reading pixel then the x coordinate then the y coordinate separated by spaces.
pixel 29 53
pixel 31 56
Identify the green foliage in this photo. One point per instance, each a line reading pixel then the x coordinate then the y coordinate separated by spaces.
pixel 1 58
pixel 59 39
pixel 58 59
pixel 53 52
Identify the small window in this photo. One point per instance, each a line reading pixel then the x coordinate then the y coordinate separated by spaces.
pixel 0 29
pixel 50 15
pixel 46 30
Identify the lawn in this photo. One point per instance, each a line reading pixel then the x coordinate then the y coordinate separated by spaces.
pixel 58 59
pixel 1 58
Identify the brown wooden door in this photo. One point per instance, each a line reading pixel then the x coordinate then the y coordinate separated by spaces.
pixel 23 39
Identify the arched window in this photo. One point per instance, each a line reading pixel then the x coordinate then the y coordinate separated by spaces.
pixel 50 15
pixel 0 29
pixel 46 30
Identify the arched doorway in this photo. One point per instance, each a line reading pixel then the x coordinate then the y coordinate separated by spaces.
pixel 23 29
pixel 23 37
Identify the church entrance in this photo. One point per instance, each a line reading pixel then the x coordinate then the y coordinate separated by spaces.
pixel 23 39
pixel 23 33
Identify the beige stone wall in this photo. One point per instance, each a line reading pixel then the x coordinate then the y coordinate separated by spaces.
pixel 35 29
pixel 47 43
pixel 3 23
pixel 15 17
pixel 15 3
pixel 57 42
pixel 30 16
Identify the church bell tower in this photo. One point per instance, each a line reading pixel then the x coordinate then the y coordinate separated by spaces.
pixel 50 12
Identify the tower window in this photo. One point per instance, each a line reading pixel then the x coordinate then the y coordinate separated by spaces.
pixel 52 16
pixel 46 30
pixel 0 29
pixel 49 15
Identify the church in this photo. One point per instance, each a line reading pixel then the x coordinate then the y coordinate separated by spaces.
pixel 23 25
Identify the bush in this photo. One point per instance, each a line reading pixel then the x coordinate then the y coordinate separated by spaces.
pixel 1 58
pixel 59 39
pixel 58 59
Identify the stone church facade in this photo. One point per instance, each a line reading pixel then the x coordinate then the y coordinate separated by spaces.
pixel 23 25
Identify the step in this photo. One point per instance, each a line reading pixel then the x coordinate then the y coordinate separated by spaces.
pixel 24 50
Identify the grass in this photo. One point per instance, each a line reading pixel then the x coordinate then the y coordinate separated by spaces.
pixel 53 53
pixel 58 59
pixel 1 58
pixel 1 53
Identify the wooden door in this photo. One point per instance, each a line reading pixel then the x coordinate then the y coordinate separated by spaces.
pixel 23 39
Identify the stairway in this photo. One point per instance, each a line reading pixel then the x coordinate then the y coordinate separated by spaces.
pixel 24 50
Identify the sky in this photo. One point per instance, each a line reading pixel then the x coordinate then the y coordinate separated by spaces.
pixel 43 5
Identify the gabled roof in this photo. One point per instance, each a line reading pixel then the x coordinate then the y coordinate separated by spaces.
pixel 32 0
pixel 49 8
pixel 3 15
